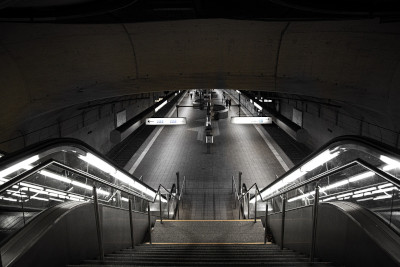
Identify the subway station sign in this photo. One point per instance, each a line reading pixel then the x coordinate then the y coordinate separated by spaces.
pixel 165 121
pixel 251 120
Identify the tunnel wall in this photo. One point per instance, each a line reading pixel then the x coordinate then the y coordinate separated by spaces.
pixel 46 67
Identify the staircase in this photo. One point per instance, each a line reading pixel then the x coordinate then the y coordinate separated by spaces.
pixel 205 243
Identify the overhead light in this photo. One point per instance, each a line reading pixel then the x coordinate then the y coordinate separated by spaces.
pixel 357 195
pixel 238 92
pixel 22 165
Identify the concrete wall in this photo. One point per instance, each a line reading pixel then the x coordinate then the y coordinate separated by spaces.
pixel 91 123
pixel 322 123
pixel 46 67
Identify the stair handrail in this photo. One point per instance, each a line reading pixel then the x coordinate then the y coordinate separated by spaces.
pixel 182 188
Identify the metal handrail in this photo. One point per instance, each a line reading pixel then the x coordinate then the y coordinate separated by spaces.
pixel 19 178
pixel 96 180
pixel 283 193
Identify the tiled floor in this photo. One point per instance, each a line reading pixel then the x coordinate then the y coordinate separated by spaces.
pixel 208 176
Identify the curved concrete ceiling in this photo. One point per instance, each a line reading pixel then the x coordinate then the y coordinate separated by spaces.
pixel 49 66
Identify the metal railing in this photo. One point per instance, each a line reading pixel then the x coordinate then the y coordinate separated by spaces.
pixel 389 179
pixel 96 186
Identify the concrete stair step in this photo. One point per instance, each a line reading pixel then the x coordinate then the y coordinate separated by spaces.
pixel 202 263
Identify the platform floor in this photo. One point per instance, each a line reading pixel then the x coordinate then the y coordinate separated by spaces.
pixel 208 176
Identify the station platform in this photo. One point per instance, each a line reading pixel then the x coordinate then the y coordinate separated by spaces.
pixel 236 148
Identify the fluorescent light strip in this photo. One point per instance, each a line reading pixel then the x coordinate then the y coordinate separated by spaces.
pixel 98 163
pixel 329 198
pixel 56 192
pixel 39 198
pixel 361 176
pixel 309 166
pixel 22 165
pixel 384 185
pixel 384 190
pixel 365 190
pixel 357 195
pixel 9 199
pixel 382 197
pixel 345 195
pixel 160 106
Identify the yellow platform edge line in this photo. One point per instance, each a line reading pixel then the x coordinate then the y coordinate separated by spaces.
pixel 254 243
pixel 247 220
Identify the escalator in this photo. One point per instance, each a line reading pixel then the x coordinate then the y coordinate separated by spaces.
pixel 347 177
pixel 63 197
pixel 341 204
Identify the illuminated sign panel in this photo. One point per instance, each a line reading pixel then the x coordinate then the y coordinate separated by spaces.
pixel 165 121
pixel 251 120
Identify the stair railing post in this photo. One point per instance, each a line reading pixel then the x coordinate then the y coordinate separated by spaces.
pixel 131 223
pixel 266 222
pixel 255 207
pixel 240 183
pixel 168 196
pixel 177 184
pixel 248 204
pixel 149 220
pixel 283 219
pixel 314 227
pixel 240 204
pixel 159 195
pixel 98 225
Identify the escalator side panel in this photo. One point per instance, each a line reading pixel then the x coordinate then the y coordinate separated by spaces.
pixel 347 234
pixel 345 241
pixel 65 238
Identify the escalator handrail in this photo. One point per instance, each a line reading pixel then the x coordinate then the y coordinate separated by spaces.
pixel 387 176
pixel 350 139
pixel 21 177
pixel 61 143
